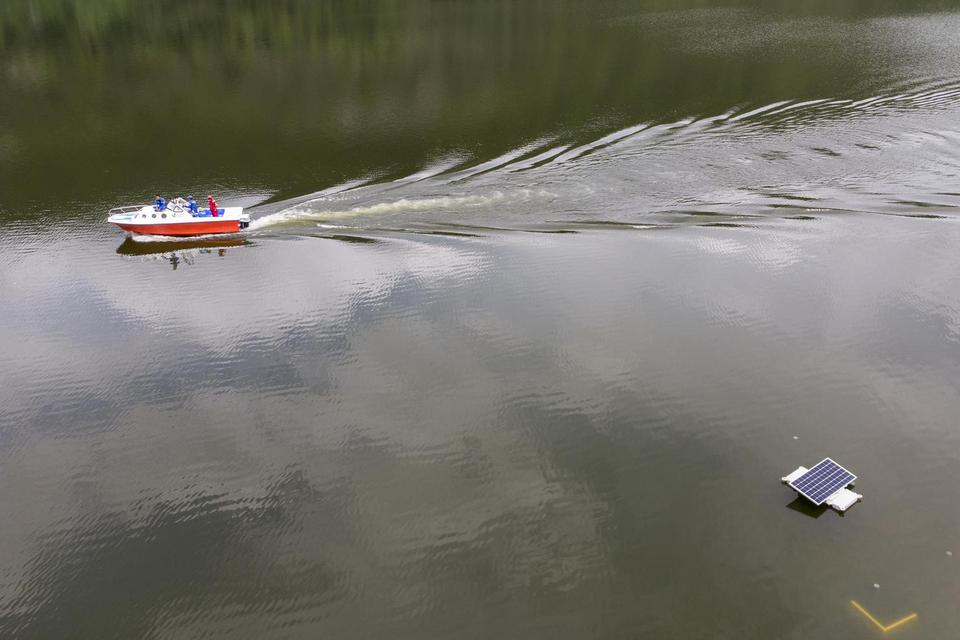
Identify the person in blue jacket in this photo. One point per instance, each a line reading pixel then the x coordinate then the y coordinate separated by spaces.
pixel 159 204
pixel 192 205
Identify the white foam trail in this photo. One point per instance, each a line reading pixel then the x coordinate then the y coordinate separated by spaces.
pixel 266 211
pixel 298 214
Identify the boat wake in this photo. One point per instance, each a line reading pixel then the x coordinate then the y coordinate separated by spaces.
pixel 319 210
pixel 887 154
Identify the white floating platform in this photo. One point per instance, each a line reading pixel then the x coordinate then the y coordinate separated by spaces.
pixel 844 499
pixel 840 499
pixel 790 477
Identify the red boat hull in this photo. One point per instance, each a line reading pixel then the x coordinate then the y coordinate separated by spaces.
pixel 183 229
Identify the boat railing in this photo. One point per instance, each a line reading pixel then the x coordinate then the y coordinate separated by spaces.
pixel 128 209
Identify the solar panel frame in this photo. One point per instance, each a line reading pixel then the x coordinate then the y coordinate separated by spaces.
pixel 822 480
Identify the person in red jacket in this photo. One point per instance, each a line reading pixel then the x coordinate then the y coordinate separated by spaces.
pixel 213 205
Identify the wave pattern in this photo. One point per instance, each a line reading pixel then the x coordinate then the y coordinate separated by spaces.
pixel 883 154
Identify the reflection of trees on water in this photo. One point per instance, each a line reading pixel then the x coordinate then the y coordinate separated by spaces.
pixel 299 94
pixel 253 22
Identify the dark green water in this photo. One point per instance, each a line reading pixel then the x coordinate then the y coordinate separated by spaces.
pixel 539 302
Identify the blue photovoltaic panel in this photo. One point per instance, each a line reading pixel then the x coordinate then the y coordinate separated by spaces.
pixel 822 481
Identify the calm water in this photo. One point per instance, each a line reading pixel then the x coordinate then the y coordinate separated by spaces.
pixel 539 302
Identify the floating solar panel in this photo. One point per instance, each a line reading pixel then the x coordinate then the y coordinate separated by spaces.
pixel 822 481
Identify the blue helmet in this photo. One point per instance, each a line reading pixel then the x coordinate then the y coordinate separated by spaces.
pixel 189 197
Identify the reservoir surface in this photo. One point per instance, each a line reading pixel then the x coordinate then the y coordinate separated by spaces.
pixel 539 302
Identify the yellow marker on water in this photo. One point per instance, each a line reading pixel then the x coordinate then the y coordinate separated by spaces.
pixel 892 625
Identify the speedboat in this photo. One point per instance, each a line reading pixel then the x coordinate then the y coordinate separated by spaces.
pixel 176 219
